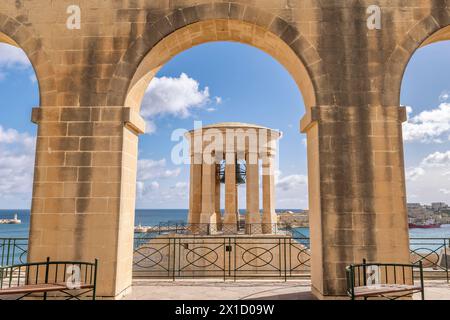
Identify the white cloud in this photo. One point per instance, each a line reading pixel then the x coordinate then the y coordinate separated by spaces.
pixel 14 58
pixel 33 78
pixel 154 185
pixel 413 174
pixel 174 96
pixel 429 181
pixel 12 136
pixel 149 169
pixel 143 188
pixel 428 126
pixel 305 142
pixel 181 185
pixel 445 95
pixel 292 182
pixel 150 126
pixel 437 159
pixel 11 56
pixel 16 163
pixel 177 192
pixel 140 187
pixel 409 110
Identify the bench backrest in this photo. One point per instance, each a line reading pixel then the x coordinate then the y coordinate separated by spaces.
pixel 71 273
pixel 359 275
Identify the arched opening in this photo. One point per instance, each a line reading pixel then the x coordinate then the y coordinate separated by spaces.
pixel 221 42
pixel 218 30
pixel 19 93
pixel 425 93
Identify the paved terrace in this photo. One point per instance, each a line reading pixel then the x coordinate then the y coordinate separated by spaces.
pixel 247 290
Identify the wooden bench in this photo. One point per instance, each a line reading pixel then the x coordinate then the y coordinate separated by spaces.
pixel 72 279
pixel 382 280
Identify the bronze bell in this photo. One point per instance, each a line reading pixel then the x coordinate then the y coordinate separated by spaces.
pixel 241 172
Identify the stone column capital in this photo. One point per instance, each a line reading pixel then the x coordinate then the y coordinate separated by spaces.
pixel 328 113
pixel 252 158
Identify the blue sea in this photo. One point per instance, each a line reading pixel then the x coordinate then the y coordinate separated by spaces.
pixel 150 217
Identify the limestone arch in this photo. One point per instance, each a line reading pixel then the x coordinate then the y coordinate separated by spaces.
pixel 188 27
pixel 426 32
pixel 17 34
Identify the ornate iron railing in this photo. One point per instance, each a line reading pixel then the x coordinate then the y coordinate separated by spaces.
pixel 434 253
pixel 13 251
pixel 220 257
pixel 185 254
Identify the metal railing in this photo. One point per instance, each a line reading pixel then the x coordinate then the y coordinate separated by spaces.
pixel 221 257
pixel 434 253
pixel 13 251
pixel 153 250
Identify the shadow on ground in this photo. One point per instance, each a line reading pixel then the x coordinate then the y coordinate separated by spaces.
pixel 286 296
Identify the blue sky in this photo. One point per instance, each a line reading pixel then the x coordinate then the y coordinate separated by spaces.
pixel 219 82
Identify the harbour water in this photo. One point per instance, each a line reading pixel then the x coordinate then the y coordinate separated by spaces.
pixel 150 217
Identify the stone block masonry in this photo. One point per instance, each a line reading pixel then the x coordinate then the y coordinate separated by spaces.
pixel 92 77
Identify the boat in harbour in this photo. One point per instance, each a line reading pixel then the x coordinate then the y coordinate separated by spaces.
pixel 427 224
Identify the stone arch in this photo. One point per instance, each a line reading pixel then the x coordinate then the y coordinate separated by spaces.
pixel 22 35
pixel 187 27
pixel 429 30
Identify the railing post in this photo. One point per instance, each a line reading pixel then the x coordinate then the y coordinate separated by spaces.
pixel 229 257
pixel 7 252
pixel 47 266
pixel 352 275
pixel 174 256
pixel 280 263
pixel 3 252
pixel 421 280
pixel 94 292
pixel 224 259
pixel 13 252
pixel 1 277
pixel 446 258
pixel 364 272
pixel 285 261
pixel 235 259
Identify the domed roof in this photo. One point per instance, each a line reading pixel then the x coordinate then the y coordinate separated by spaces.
pixel 236 125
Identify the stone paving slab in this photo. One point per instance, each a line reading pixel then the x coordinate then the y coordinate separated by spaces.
pixel 220 290
pixel 247 290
